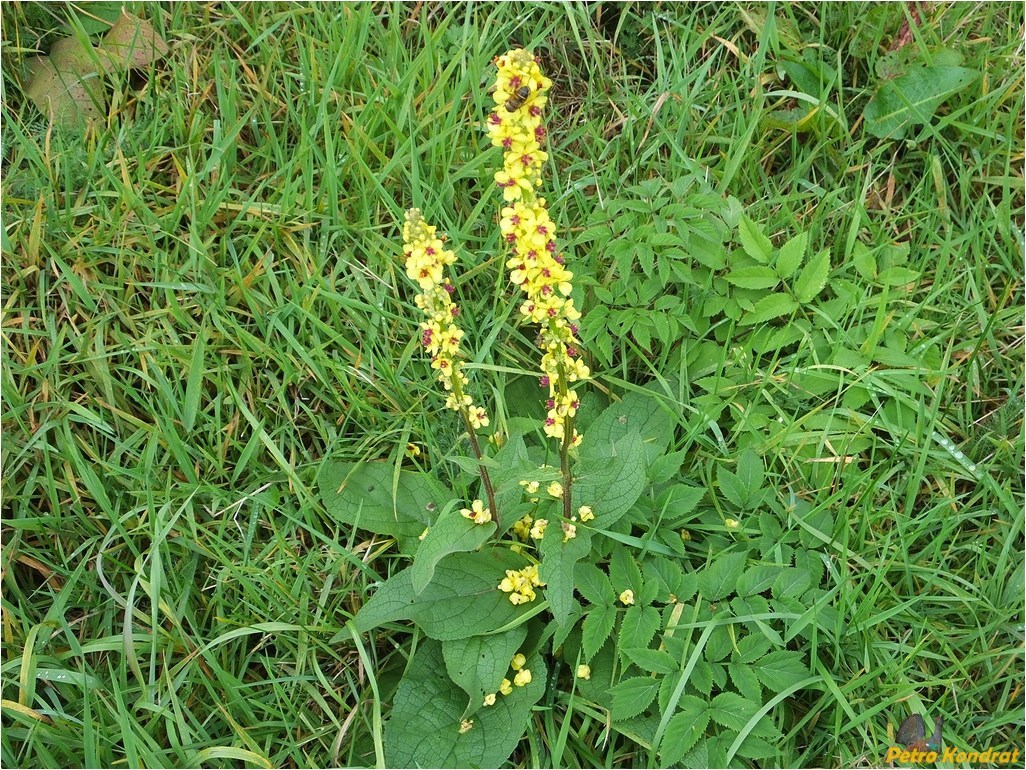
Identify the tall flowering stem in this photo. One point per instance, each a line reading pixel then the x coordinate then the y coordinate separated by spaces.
pixel 536 265
pixel 426 259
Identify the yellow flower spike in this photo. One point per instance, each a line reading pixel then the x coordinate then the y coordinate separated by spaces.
pixel 522 678
pixel 627 597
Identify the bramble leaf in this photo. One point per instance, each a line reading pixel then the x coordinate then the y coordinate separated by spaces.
pixel 595 629
pixel 780 670
pixel 684 730
pixel 769 307
pixel 753 241
pixel 719 578
pixel 732 710
pixel 638 626
pixel 757 579
pixel 813 278
pixel 593 584
pixel 654 661
pixel 791 255
pixel 632 696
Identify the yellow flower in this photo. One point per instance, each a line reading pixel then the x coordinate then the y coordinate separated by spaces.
pixel 518 662
pixel 466 726
pixel 522 528
pixel 538 530
pixel 523 677
pixel 477 512
pixel 555 489
pixel 627 597
pixel 569 531
pixel 585 513
pixel 506 687
pixel 530 487
pixel 731 523
pixel 489 699
pixel 583 671
pixel 520 584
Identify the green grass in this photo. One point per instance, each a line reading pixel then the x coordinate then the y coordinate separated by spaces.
pixel 203 302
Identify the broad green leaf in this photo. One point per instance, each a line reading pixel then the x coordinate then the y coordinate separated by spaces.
pixel 452 533
pixel 791 582
pixel 427 709
pixel 638 626
pixel 813 278
pixel 864 260
pixel 462 600
pixel 595 629
pixel 732 710
pixel 913 98
pixel 750 472
pixel 632 696
pixel 755 747
pixel 679 501
pixel 593 584
pixel 667 575
pixel 684 730
pixel 753 241
pixel 654 661
pixel 612 485
pixel 769 307
pixel 362 495
pixel 702 677
pixel 665 467
pixel 479 663
pixel 791 255
pixel 757 579
pixel 750 648
pixel 624 572
pixel 636 412
pixel 557 568
pixel 780 670
pixel 718 579
pixel 511 465
pixel 745 680
pixel 754 277
pixel 897 276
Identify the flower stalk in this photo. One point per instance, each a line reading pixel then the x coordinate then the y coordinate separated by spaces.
pixel 425 260
pixel 536 265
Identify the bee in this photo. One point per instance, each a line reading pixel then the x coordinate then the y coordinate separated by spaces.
pixel 517 100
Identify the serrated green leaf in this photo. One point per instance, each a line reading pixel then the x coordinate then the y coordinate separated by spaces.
pixel 769 307
pixel 913 98
pixel 702 677
pixel 452 533
pixel 624 572
pixel 813 278
pixel 732 710
pixel 653 661
pixel 753 241
pixel 750 648
pixel 612 485
pixel 666 466
pixel 731 486
pixel 791 255
pixel 757 579
pixel 897 276
pixel 679 501
pixel 427 708
pixel 791 582
pixel 632 696
pixel 755 747
pixel 478 663
pixel 684 730
pixel 667 575
pixel 597 625
pixel 745 680
pixel 638 626
pixel 751 473
pixel 462 600
pixel 864 260
pixel 754 277
pixel 718 579
pixel 557 569
pixel 594 584
pixel 780 670
pixel 361 495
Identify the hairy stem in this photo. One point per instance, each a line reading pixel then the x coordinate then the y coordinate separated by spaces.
pixel 485 478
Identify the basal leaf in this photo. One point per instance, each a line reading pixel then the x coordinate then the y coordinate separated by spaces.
pixel 452 533
pixel 632 696
pixel 684 730
pixel 462 600
pixel 813 278
pixel 780 670
pixel 479 663
pixel 612 485
pixel 719 578
pixel 373 497
pixel 427 710
pixel 595 629
pixel 637 412
pixel 913 98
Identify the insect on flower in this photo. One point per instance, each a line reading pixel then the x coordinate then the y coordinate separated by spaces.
pixel 518 99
